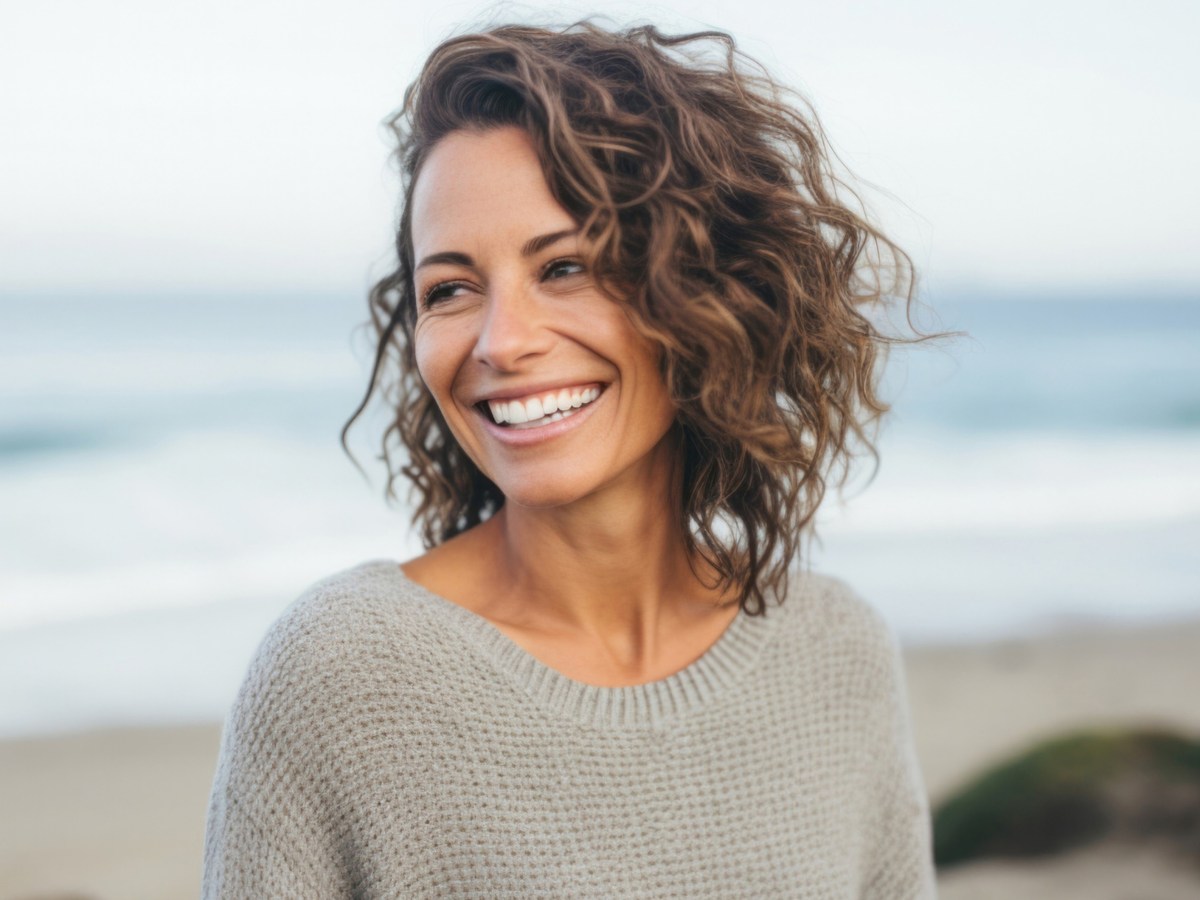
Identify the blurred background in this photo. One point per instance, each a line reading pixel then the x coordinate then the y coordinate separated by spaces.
pixel 197 196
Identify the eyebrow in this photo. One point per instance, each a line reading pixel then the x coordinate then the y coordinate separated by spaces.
pixel 532 246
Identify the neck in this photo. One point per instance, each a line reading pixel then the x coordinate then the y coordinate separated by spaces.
pixel 612 566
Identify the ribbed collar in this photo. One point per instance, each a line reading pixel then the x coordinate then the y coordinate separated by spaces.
pixel 728 659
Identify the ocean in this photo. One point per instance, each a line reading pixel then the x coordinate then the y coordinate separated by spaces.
pixel 171 478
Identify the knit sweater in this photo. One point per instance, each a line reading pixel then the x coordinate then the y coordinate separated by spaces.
pixel 389 743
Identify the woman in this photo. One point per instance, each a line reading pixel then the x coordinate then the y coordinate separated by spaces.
pixel 626 347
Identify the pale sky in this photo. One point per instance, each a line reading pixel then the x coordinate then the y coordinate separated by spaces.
pixel 218 145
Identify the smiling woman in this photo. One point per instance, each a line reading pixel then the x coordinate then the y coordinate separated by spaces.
pixel 626 344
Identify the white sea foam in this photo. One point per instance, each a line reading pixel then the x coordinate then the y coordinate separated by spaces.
pixel 132 372
pixel 941 482
pixel 977 585
pixel 148 668
pixel 196 518
pixel 191 519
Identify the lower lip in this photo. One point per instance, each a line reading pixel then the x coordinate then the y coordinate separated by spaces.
pixel 524 437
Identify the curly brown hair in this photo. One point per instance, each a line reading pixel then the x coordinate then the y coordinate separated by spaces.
pixel 711 206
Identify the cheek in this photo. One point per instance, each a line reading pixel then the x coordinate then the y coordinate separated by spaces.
pixel 660 406
pixel 424 359
pixel 440 350
pixel 435 360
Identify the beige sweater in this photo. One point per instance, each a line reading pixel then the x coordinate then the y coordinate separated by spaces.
pixel 389 743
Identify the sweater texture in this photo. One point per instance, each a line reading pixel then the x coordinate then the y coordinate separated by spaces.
pixel 389 743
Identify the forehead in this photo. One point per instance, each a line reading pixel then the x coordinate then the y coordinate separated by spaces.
pixel 476 188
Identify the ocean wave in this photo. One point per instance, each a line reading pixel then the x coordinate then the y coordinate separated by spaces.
pixel 937 481
pixel 188 518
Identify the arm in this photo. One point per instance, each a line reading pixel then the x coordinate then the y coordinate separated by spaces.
pixel 270 832
pixel 900 865
pixel 246 858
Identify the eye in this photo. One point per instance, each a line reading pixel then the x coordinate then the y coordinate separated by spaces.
pixel 562 268
pixel 442 291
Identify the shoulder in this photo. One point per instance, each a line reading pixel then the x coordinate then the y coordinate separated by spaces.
pixel 342 638
pixel 354 649
pixel 828 622
pixel 323 622
pixel 825 604
pixel 343 601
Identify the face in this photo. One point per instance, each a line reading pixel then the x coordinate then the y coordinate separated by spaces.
pixel 541 378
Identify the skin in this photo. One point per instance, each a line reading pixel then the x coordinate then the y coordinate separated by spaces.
pixel 584 565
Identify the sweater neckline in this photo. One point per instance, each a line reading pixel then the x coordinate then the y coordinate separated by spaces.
pixel 728 659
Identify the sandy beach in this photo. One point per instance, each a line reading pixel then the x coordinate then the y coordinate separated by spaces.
pixel 119 815
pixel 975 706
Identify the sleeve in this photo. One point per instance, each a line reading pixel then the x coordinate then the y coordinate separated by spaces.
pixel 900 864
pixel 269 832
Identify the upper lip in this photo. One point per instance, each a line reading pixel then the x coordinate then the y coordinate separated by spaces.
pixel 542 388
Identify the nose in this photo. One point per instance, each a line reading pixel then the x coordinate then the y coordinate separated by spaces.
pixel 511 328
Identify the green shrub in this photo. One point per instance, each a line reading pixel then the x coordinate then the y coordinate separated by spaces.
pixel 1072 790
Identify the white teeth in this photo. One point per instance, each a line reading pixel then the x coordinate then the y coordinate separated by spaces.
pixel 517 412
pixel 546 420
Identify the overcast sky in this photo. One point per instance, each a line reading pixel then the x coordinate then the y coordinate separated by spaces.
pixel 153 145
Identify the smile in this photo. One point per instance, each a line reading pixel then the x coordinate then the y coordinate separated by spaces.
pixel 529 412
pixel 578 406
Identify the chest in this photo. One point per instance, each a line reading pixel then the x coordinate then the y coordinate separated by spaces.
pixel 754 808
pixel 619 665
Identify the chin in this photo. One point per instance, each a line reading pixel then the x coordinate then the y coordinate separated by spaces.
pixel 543 496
